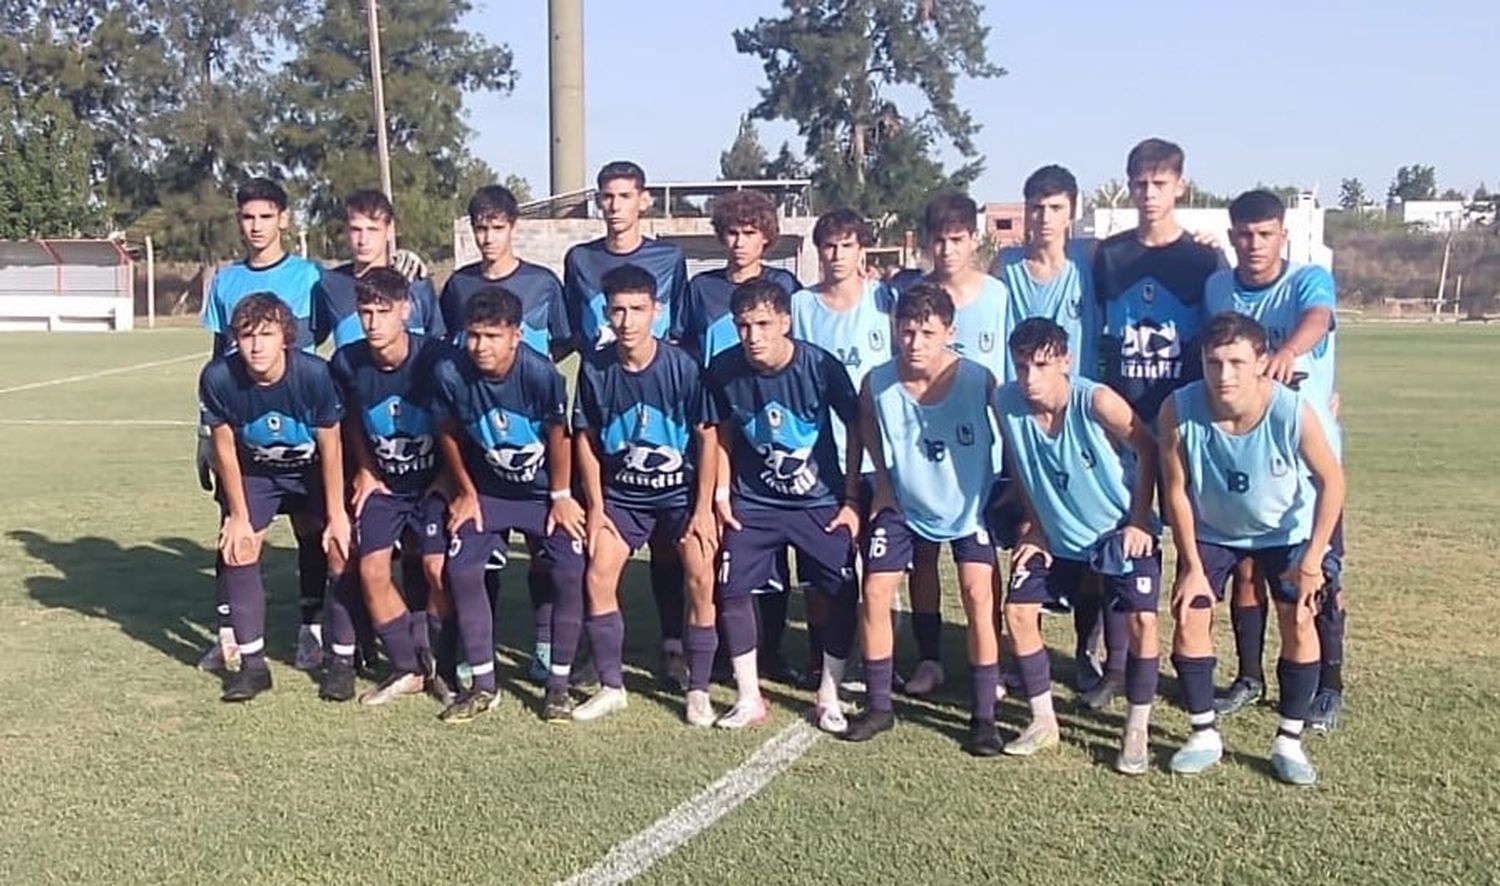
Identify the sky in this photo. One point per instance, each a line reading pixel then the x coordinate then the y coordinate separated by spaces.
pixel 1280 92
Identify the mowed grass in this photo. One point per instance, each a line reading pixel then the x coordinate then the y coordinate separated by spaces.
pixel 117 761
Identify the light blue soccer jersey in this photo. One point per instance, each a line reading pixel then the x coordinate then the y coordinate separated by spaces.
pixel 1067 300
pixel 941 457
pixel 1248 490
pixel 292 279
pixel 1078 484
pixel 1279 308
pixel 859 337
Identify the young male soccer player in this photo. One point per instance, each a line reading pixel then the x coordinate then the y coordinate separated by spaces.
pixel 369 225
pixel 267 267
pixel 622 199
pixel 746 224
pixel 773 400
pixel 1248 472
pixel 503 431
pixel 1295 304
pixel 635 420
pixel 926 417
pixel 273 413
pixel 386 377
pixel 1064 438
pixel 849 316
pixel 493 214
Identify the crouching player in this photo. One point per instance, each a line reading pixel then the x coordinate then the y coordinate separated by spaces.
pixel 772 399
pixel 927 425
pixel 1248 471
pixel 635 420
pixel 503 431
pixel 386 381
pixel 273 413
pixel 1073 445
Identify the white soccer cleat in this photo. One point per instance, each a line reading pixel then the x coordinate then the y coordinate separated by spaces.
pixel 309 648
pixel 700 711
pixel 926 679
pixel 744 714
pixel 1038 736
pixel 606 701
pixel 1203 750
pixel 830 718
pixel 394 687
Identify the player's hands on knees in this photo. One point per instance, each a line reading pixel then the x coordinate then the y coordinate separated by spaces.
pixel 845 518
pixel 702 532
pixel 336 536
pixel 364 485
pixel 1281 366
pixel 239 544
pixel 1137 542
pixel 1310 581
pixel 597 522
pixel 464 508
pixel 1189 585
pixel 567 514
pixel 1031 544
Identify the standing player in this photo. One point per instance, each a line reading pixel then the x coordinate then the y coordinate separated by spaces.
pixel 493 215
pixel 926 417
pixel 1248 472
pixel 773 400
pixel 1295 304
pixel 1086 514
pixel 273 414
pixel 746 224
pixel 369 226
pixel 503 431
pixel 386 379
pixel 267 267
pixel 635 421
pixel 1148 285
pixel 622 199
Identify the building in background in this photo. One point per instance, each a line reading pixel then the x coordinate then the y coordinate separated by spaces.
pixel 1004 224
pixel 1304 225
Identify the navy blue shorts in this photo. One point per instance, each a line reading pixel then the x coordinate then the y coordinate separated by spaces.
pixel 386 518
pixel 637 525
pixel 470 549
pixel 1275 564
pixel 889 544
pixel 267 495
pixel 1054 586
pixel 747 556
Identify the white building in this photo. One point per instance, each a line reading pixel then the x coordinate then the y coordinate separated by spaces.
pixel 1304 228
pixel 1432 216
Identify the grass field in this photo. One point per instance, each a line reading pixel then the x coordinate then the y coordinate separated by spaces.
pixel 118 763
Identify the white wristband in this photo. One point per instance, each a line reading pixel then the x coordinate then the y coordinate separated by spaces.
pixel 560 494
pixel 721 494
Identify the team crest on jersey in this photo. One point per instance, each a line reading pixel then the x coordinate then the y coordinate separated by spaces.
pixel 498 419
pixel 1279 466
pixel 273 424
pixel 1148 293
pixel 1089 459
pixel 986 341
pixel 965 434
pixel 774 417
pixel 395 409
pixel 1074 309
pixel 877 340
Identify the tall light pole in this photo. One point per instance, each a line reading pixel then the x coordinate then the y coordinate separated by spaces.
pixel 565 70
pixel 377 83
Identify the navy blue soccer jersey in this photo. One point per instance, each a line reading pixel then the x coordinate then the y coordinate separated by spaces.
pixel 544 322
pixel 274 425
pixel 707 327
pixel 784 454
pixel 584 268
pixel 504 421
pixel 394 409
pixel 338 308
pixel 1151 303
pixel 645 423
pixel 292 279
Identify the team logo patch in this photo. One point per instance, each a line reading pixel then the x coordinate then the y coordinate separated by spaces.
pixel 432 530
pixel 877 340
pixel 774 417
pixel 395 409
pixel 1148 293
pixel 1279 466
pixel 455 546
pixel 498 419
pixel 1143 585
pixel 965 434
pixel 273 423
pixel 986 341
pixel 1089 459
pixel 1074 309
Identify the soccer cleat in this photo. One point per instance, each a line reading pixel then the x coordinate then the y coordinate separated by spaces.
pixel 1242 693
pixel 541 663
pixel 699 711
pixel 212 659
pixel 868 725
pixel 393 687
pixel 469 705
pixel 246 683
pixel 1134 758
pixel 603 703
pixel 337 680
pixel 309 648
pixel 983 739
pixel 557 706
pixel 1088 675
pixel 926 679
pixel 1038 736
pixel 830 718
pixel 1103 695
pixel 1204 749
pixel 1323 715
pixel 1291 764
pixel 744 714
pixel 673 676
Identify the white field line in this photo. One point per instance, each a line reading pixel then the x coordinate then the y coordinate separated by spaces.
pixel 640 853
pixel 31 386
pixel 100 422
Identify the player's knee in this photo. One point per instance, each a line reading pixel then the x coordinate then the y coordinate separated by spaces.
pixel 1021 619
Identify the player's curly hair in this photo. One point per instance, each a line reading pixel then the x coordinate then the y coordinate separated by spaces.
pixel 380 286
pixel 746 208
pixel 1037 335
pixel 921 301
pixel 261 308
pixel 1230 327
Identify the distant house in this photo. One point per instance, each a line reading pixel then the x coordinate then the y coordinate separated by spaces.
pixel 1433 216
pixel 1005 224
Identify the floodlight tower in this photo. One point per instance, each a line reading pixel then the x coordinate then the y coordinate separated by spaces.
pixel 565 67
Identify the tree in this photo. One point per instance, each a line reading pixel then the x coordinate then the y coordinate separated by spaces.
pixel 519 188
pixel 1415 182
pixel 1454 194
pixel 325 133
pixel 830 66
pixel 1481 193
pixel 746 157
pixel 44 170
pixel 1352 195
